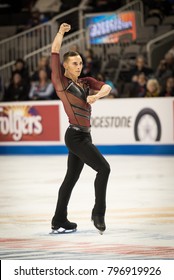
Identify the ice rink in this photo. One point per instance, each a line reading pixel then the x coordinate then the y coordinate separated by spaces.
pixel 139 218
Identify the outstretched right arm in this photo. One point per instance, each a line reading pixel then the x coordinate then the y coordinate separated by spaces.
pixel 56 76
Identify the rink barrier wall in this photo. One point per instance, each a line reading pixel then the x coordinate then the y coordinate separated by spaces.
pixel 107 150
pixel 133 126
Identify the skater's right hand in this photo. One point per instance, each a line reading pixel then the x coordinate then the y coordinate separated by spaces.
pixel 64 27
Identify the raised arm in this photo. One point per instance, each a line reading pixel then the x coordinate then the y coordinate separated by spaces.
pixel 56 45
pixel 56 75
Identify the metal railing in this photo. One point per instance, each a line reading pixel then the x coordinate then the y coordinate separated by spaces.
pixel 35 38
pixel 105 51
pixel 31 43
pixel 136 6
pixel 158 47
pixel 34 41
pixel 33 58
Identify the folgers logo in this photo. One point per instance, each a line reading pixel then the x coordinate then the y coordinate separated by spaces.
pixel 19 121
pixel 29 123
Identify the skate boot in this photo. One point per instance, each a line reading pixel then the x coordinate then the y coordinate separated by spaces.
pixel 99 223
pixel 63 227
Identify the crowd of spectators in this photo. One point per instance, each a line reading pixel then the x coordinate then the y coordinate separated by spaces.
pixel 139 81
pixel 25 14
pixel 142 81
pixel 40 11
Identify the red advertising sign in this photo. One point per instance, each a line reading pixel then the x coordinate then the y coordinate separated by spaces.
pixel 29 123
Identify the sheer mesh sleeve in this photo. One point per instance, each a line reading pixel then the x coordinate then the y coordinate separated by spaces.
pixel 58 79
pixel 93 83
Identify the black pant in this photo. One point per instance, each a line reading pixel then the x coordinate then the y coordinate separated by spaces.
pixel 81 150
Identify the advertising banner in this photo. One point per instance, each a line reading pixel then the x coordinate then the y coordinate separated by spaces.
pixel 133 121
pixel 29 122
pixel 107 28
pixel 118 126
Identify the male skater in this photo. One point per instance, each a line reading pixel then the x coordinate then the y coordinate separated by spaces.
pixel 76 98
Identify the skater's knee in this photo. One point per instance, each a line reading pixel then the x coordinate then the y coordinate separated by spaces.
pixel 106 168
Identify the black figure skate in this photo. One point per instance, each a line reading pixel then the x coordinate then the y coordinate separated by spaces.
pixel 63 227
pixel 99 223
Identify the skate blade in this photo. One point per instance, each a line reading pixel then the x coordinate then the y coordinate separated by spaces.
pixel 63 231
pixel 100 231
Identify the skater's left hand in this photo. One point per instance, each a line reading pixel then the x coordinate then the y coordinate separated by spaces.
pixel 92 98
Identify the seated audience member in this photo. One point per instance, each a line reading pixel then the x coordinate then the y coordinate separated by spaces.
pixel 165 68
pixel 142 81
pixel 43 63
pixel 153 88
pixel 36 18
pixel 43 88
pixel 140 67
pixel 21 67
pixel 92 63
pixel 169 87
pixel 137 87
pixel 17 89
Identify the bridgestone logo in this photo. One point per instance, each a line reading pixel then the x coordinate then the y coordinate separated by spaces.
pixel 15 122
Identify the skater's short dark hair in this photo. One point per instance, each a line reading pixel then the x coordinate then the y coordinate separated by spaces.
pixel 69 54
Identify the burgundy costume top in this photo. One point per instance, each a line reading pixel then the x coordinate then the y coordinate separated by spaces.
pixel 73 96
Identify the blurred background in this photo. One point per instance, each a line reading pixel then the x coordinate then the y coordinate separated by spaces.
pixel 129 45
pixel 136 61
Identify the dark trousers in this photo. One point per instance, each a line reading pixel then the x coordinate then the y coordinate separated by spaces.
pixel 81 150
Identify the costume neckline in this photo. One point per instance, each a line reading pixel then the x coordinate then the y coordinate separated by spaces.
pixel 76 83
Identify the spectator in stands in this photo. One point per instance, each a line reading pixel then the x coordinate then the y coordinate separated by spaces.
pixel 35 18
pixel 17 89
pixel 142 81
pixel 43 63
pixel 21 67
pixel 137 87
pixel 171 51
pixel 140 67
pixel 169 87
pixel 165 68
pixel 92 64
pixel 153 88
pixel 42 89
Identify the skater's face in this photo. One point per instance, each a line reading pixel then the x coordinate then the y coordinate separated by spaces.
pixel 73 66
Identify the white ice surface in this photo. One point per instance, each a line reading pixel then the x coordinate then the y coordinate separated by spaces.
pixel 139 217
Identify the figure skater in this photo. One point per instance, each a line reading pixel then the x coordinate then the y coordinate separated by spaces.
pixel 74 92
